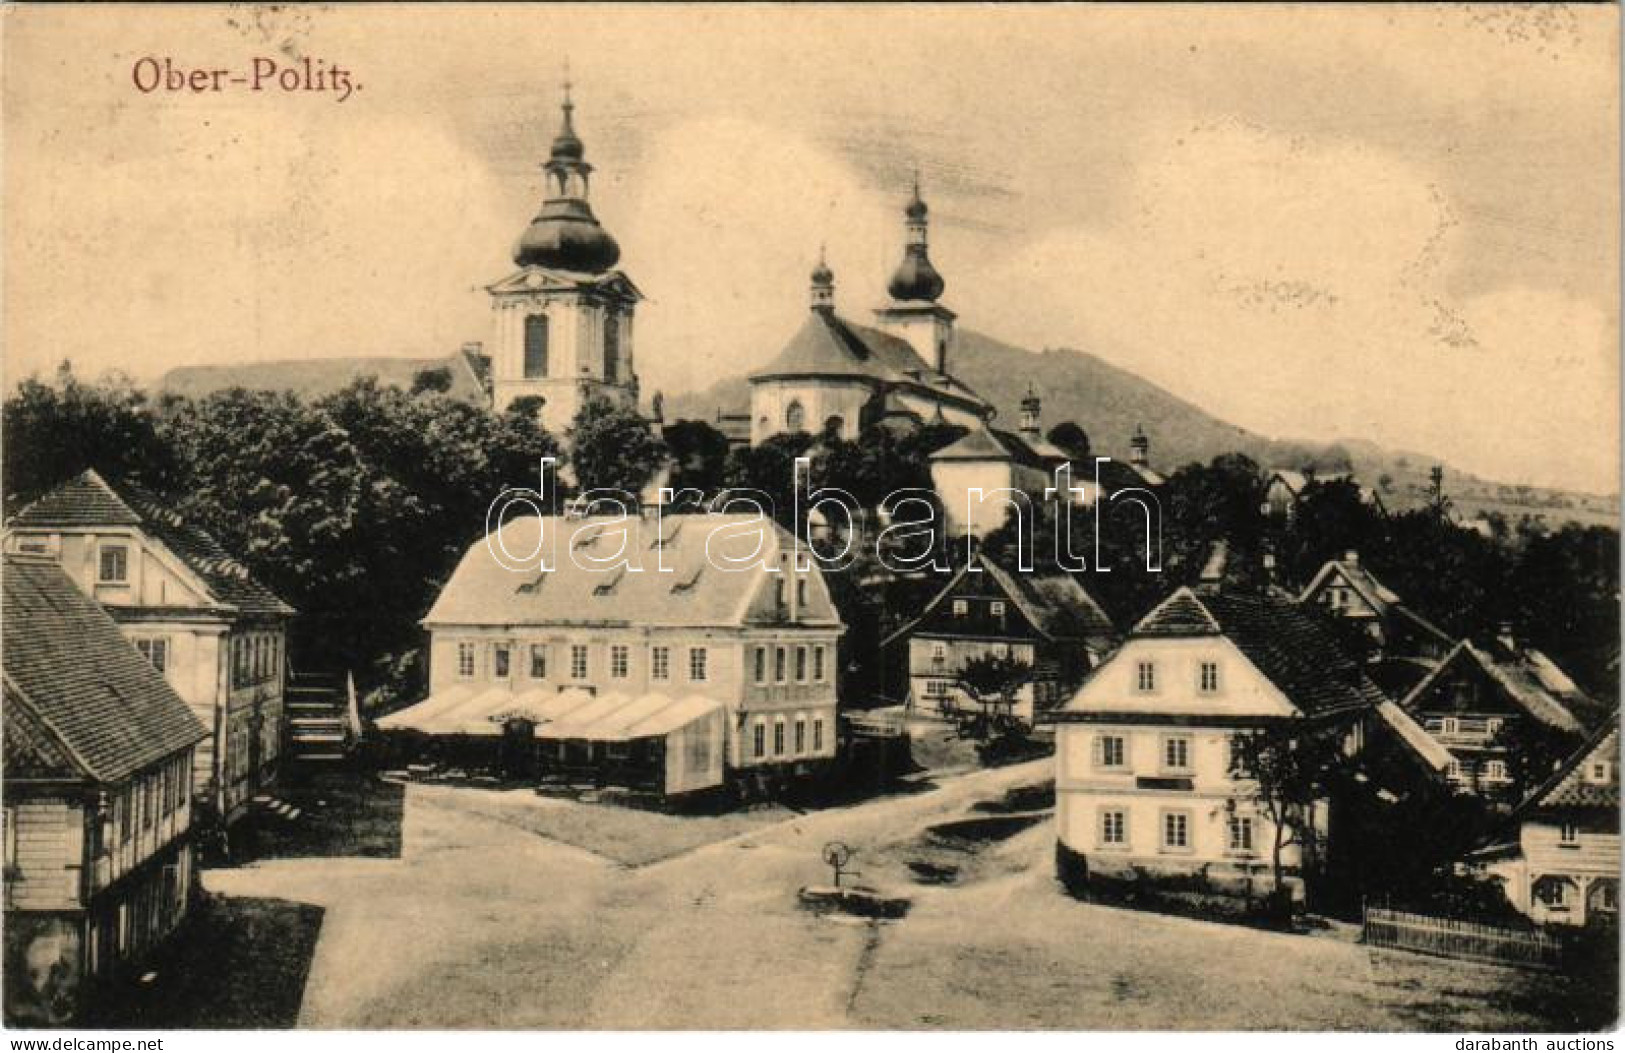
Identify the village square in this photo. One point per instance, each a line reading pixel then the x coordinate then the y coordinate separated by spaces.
pixel 864 689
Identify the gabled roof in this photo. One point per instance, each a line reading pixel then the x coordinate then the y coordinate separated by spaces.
pixel 1414 736
pixel 696 590
pixel 88 500
pixel 1054 603
pixel 827 345
pixel 1286 642
pixel 1511 673
pixel 542 279
pixel 1570 787
pixel 81 703
pixel 1385 601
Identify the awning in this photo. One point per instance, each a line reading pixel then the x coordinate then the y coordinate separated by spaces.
pixel 414 715
pixel 619 718
pixel 677 715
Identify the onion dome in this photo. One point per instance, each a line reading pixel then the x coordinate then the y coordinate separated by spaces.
pixel 915 278
pixel 823 285
pixel 565 235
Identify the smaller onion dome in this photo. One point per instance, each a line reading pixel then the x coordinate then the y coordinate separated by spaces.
pixel 915 278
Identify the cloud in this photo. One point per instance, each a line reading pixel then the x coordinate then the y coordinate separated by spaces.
pixel 1303 289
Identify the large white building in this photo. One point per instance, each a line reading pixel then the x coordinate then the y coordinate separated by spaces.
pixel 562 322
pixel 679 631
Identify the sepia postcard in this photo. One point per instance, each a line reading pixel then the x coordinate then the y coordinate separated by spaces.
pixel 826 517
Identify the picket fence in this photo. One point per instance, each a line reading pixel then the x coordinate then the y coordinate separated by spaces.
pixel 1453 938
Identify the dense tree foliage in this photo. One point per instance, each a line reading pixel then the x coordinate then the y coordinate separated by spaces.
pixel 613 448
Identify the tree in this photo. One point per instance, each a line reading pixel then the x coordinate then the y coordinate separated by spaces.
pixel 613 448
pixel 54 431
pixel 1291 771
pixel 699 455
pixel 437 380
pixel 993 682
pixel 1071 440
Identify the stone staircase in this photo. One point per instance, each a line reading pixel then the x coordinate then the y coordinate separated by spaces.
pixel 316 706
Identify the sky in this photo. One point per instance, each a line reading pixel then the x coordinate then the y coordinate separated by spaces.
pixel 1393 223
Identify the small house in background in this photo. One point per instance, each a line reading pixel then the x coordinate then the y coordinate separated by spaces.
pixel 1496 709
pixel 1285 488
pixel 215 634
pixel 1565 869
pixel 1047 621
pixel 1346 588
pixel 1146 778
pixel 97 797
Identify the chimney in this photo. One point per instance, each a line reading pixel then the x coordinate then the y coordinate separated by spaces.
pixel 1352 557
pixel 1212 576
pixel 1507 638
pixel 473 347
pixel 1139 448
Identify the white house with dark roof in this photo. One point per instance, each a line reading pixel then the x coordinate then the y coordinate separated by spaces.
pixel 1565 870
pixel 218 636
pixel 1346 588
pixel 756 644
pixel 1144 780
pixel 97 797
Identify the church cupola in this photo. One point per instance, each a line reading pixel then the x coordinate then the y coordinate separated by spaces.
pixel 565 235
pixel 822 293
pixel 1030 414
pixel 915 278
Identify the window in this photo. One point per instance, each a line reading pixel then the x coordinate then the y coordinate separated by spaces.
pixel 801 665
pixel 1208 679
pixel 1451 726
pixel 115 564
pixel 535 346
pixel 778 738
pixel 1240 767
pixel 1110 751
pixel 801 592
pixel 1113 827
pixel 1145 676
pixel 936 688
pixel 612 345
pixel 1176 753
pixel 779 664
pixel 818 664
pixel 500 655
pixel 1241 834
pixel 818 734
pixel 1495 771
pixel 578 661
pixel 156 651
pixel 996 608
pixel 1454 772
pixel 696 663
pixel 759 664
pixel 1599 772
pixel 149 802
pixel 795 418
pixel 961 608
pixel 11 836
pixel 620 661
pixel 538 661
pixel 1568 834
pixel 660 663
pixel 1553 892
pixel 1176 831
pixel 939 651
pixel 759 742
pixel 801 735
pixel 465 661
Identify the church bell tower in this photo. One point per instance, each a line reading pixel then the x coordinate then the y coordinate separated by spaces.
pixel 563 322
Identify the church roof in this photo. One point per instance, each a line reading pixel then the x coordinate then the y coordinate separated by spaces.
pixel 827 345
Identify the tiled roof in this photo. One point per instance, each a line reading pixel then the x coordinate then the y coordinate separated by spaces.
pixel 88 500
pixel 1286 642
pixel 1385 601
pixel 1571 786
pixel 91 706
pixel 1054 603
pixel 827 345
pixel 697 589
pixel 1516 678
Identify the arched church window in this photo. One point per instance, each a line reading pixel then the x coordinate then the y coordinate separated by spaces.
pixel 535 346
pixel 795 418
pixel 612 345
